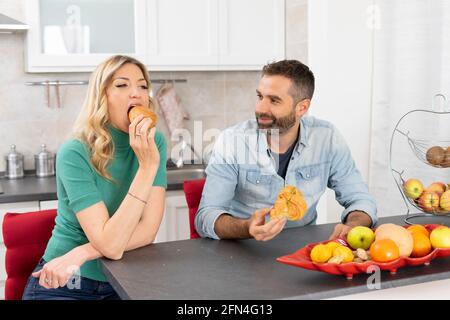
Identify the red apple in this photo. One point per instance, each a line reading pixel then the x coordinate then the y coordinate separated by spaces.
pixel 438 187
pixel 429 201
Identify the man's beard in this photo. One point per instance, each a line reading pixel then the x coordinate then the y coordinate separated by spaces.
pixel 282 124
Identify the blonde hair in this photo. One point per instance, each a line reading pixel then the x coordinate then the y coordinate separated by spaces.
pixel 91 124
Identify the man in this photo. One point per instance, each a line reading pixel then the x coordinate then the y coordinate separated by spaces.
pixel 252 161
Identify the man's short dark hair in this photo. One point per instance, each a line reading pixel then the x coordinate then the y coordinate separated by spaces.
pixel 301 76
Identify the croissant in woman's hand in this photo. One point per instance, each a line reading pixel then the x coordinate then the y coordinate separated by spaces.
pixel 146 112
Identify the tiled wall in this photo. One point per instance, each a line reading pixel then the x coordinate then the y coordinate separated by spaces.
pixel 218 99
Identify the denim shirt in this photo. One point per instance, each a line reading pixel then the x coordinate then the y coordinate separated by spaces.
pixel 242 176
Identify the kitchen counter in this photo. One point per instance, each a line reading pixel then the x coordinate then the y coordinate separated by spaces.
pixel 247 269
pixel 32 188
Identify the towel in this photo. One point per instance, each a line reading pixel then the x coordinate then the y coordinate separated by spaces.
pixel 170 105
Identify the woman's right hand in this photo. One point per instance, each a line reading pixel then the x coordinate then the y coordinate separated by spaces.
pixel 142 140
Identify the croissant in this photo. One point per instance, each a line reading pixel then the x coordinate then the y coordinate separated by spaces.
pixel 146 112
pixel 290 203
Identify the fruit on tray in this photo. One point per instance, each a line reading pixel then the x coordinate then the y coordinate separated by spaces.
pixel 332 252
pixel 290 203
pixel 413 188
pixel 438 187
pixel 429 201
pixel 440 237
pixel 435 155
pixel 360 237
pixel 384 250
pixel 418 228
pixel 444 202
pixel 422 245
pixel 402 237
pixel 321 253
pixel 343 252
pixel 435 198
pixel 390 242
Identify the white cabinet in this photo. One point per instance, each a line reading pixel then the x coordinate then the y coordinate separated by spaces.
pixel 76 35
pixel 175 223
pixel 182 34
pixel 251 33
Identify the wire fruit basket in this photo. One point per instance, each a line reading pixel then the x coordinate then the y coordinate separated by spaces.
pixel 433 152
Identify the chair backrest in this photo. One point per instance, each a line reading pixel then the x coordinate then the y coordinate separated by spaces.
pixel 25 236
pixel 193 192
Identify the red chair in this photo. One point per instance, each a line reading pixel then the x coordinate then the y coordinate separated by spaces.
pixel 25 236
pixel 193 192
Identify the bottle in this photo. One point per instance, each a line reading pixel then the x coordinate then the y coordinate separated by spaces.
pixel 14 164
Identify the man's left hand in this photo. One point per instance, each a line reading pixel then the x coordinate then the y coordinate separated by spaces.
pixel 355 218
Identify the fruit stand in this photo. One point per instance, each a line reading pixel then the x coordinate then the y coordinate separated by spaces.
pixel 430 152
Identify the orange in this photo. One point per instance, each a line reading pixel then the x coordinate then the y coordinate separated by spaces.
pixel 384 250
pixel 418 228
pixel 422 245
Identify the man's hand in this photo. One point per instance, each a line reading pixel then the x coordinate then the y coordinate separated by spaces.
pixel 355 218
pixel 264 232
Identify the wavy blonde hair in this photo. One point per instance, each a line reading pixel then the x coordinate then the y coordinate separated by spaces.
pixel 91 124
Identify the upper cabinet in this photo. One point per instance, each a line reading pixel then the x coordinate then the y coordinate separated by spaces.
pixel 251 32
pixel 76 35
pixel 182 34
pixel 68 35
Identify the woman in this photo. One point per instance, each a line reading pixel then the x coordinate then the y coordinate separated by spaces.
pixel 111 181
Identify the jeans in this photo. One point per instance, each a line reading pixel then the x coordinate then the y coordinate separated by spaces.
pixel 86 289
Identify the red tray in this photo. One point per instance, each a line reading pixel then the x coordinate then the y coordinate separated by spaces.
pixel 301 258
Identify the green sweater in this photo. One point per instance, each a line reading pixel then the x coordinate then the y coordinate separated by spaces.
pixel 79 186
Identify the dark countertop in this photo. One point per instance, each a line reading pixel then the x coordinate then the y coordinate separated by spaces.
pixel 32 188
pixel 246 269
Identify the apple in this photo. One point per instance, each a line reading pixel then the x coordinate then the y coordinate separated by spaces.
pixel 440 237
pixel 429 201
pixel 438 187
pixel 413 188
pixel 360 237
pixel 445 200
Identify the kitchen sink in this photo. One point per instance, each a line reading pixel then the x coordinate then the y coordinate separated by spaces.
pixel 187 172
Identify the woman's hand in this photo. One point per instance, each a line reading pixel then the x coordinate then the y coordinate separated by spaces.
pixel 58 271
pixel 142 140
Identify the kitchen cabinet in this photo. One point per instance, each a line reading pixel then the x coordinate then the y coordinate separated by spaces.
pixel 251 33
pixel 70 35
pixel 76 35
pixel 175 223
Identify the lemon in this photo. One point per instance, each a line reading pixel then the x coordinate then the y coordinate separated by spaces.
pixel 321 253
pixel 333 245
pixel 344 252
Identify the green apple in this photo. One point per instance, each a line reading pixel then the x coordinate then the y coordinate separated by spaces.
pixel 360 237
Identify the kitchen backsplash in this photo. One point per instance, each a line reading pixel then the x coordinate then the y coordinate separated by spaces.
pixel 216 98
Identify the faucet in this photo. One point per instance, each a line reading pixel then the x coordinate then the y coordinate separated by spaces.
pixel 179 163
